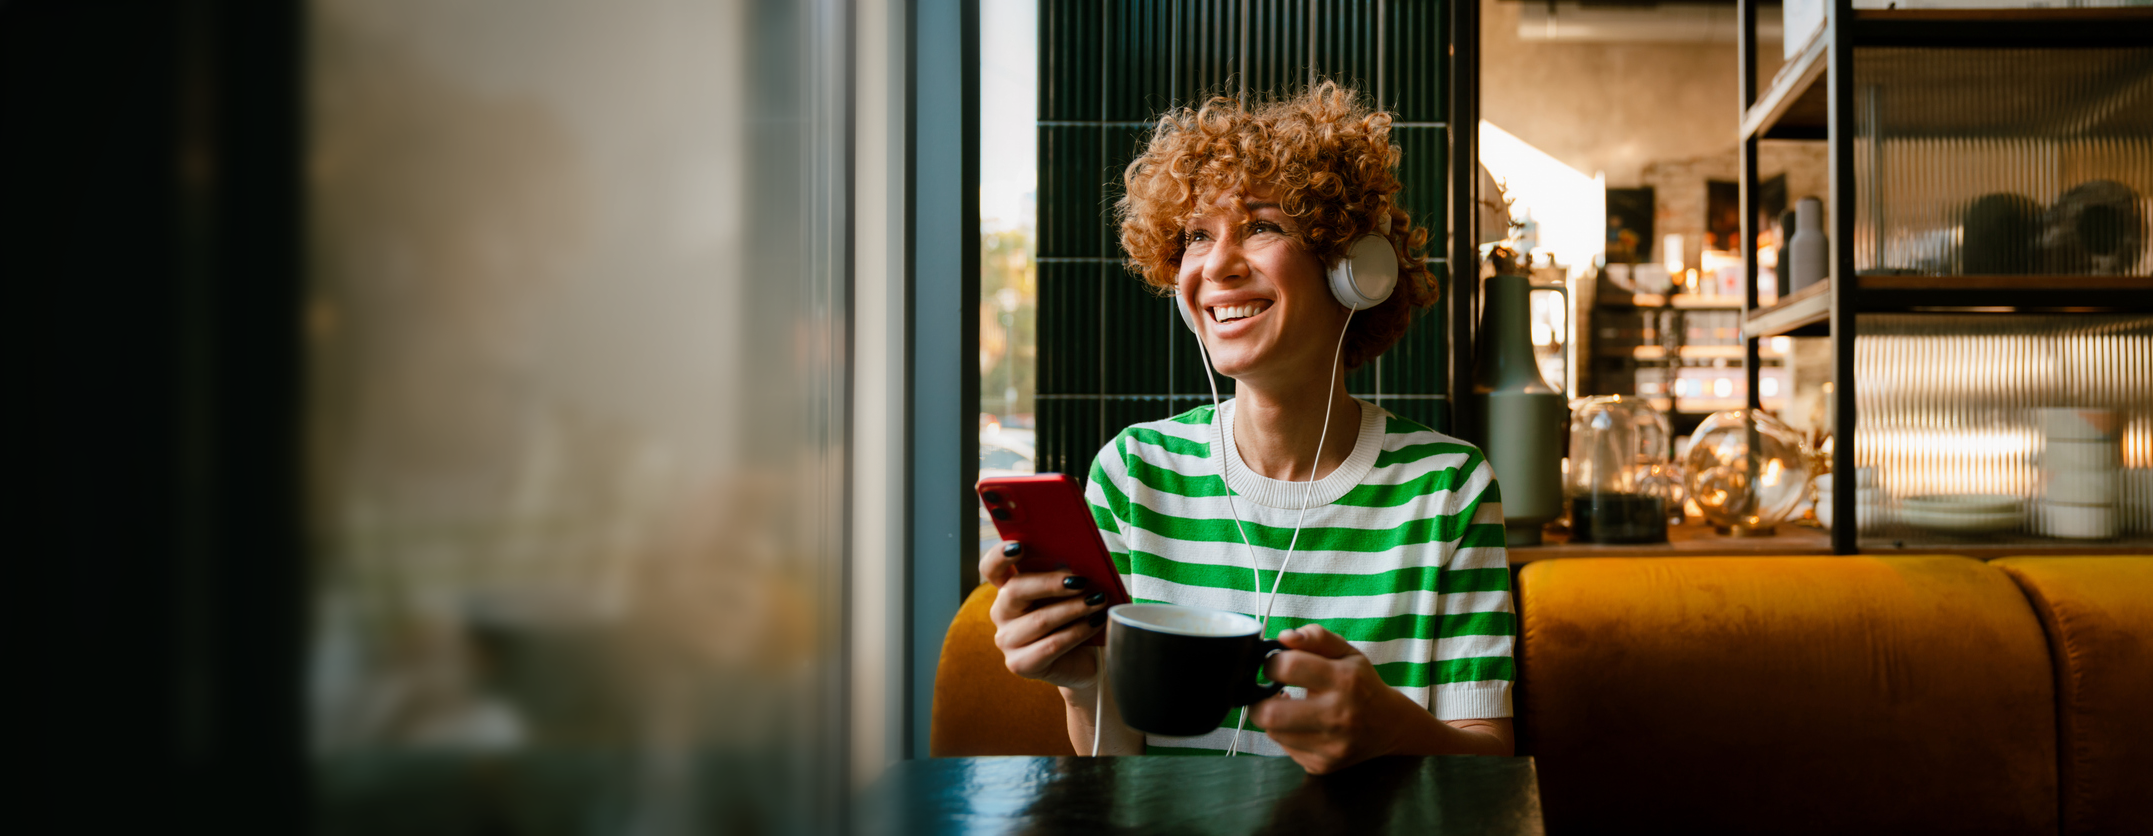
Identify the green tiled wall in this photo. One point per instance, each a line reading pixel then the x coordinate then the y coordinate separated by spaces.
pixel 1111 353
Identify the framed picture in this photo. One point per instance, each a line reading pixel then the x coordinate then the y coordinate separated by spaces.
pixel 1629 226
pixel 1771 203
pixel 1722 215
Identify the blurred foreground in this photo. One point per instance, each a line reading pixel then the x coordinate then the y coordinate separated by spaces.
pixel 574 347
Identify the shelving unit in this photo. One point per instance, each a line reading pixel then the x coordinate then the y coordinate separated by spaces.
pixel 1668 354
pixel 1813 98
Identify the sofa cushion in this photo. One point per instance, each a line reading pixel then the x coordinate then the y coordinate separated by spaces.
pixel 1795 694
pixel 2098 613
pixel 980 708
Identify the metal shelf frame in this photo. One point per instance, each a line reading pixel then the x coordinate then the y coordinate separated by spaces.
pixel 1813 98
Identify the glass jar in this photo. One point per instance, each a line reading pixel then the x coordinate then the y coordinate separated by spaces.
pixel 1618 464
pixel 1747 471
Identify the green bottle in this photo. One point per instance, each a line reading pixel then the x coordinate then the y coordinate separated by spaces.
pixel 1521 417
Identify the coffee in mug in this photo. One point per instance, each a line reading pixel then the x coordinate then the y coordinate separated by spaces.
pixel 1176 670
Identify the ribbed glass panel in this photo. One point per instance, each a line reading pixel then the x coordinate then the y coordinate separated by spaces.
pixel 1947 404
pixel 2003 161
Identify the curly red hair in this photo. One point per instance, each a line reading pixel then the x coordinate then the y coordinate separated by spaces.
pixel 1328 160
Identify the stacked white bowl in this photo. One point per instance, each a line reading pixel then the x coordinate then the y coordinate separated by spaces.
pixel 2080 473
pixel 1868 499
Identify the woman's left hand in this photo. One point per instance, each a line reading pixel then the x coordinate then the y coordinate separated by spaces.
pixel 1349 715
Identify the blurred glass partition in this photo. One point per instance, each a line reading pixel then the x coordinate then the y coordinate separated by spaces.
pixel 2005 429
pixel 577 332
pixel 2003 161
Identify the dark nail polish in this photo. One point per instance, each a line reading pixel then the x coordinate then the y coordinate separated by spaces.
pixel 1098 618
pixel 1075 582
pixel 1095 599
pixel 1012 549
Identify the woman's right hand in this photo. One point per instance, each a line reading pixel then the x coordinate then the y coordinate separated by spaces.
pixel 1040 616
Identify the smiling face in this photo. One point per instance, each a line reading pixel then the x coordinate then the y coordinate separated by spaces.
pixel 1266 314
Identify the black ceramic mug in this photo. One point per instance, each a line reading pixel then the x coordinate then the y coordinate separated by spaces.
pixel 1176 670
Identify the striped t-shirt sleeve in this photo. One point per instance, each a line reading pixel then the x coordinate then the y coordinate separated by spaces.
pixel 1473 658
pixel 1104 514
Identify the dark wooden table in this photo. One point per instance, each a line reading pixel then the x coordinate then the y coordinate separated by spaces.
pixel 1203 795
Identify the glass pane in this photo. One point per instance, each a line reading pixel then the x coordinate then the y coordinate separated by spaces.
pixel 2003 161
pixel 575 343
pixel 1954 405
pixel 1008 257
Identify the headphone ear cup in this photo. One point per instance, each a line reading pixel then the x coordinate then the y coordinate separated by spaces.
pixel 1187 318
pixel 1367 275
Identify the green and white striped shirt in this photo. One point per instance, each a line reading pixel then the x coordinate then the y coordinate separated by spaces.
pixel 1401 553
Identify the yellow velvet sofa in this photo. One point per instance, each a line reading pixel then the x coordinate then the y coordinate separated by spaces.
pixel 1792 694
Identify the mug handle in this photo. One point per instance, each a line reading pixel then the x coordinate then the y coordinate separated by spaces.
pixel 1252 693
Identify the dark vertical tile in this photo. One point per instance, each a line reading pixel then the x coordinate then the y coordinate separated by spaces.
pixel 1415 54
pixel 1431 413
pixel 1187 372
pixel 1101 330
pixel 1068 435
pixel 1118 413
pixel 1046 444
pixel 1209 51
pixel 1121 412
pixel 1069 60
pixel 1069 191
pixel 1277 48
pixel 1424 191
pixel 1122 144
pixel 1182 403
pixel 1139 58
pixel 1414 365
pixel 1362 381
pixel 1068 328
pixel 1345 43
pixel 1135 335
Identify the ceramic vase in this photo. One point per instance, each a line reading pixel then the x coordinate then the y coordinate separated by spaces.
pixel 1522 418
pixel 1808 250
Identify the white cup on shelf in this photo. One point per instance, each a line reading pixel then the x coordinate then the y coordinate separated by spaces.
pixel 2068 455
pixel 2081 487
pixel 2077 424
pixel 2078 522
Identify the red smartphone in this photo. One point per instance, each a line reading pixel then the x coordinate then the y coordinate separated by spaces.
pixel 1047 513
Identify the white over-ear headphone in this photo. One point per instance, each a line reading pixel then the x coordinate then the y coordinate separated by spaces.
pixel 1362 280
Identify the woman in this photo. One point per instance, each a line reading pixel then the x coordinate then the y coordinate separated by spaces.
pixel 1394 599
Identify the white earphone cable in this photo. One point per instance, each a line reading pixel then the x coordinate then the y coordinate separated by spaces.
pixel 1307 494
pixel 1098 706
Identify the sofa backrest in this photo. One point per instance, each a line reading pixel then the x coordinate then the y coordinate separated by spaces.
pixel 980 708
pixel 2098 614
pixel 1825 694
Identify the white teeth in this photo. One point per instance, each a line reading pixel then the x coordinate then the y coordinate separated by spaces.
pixel 1229 313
